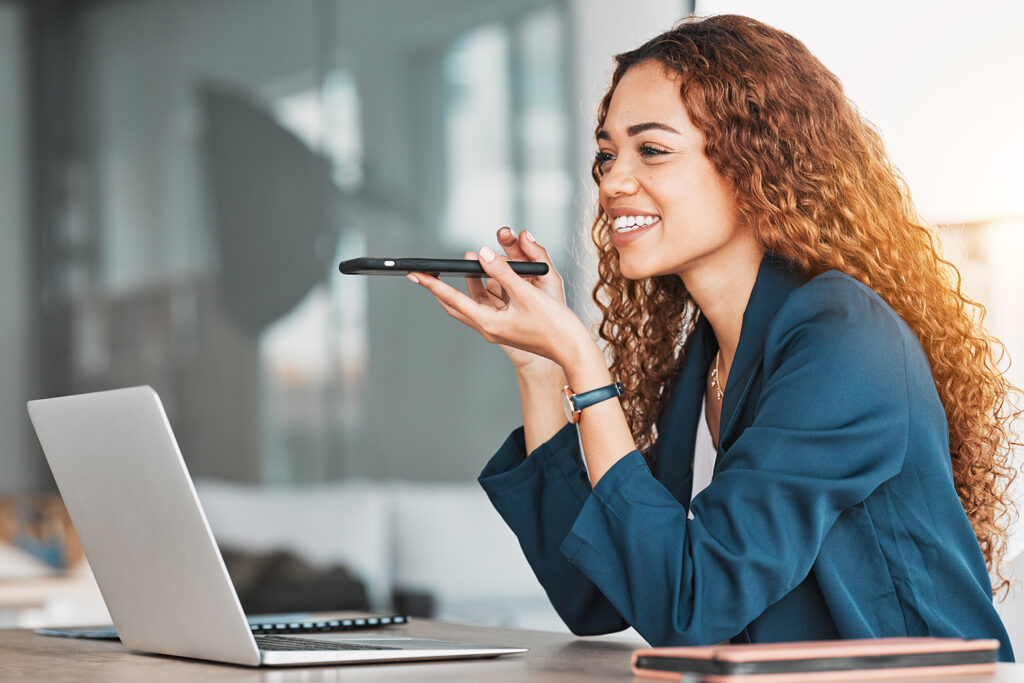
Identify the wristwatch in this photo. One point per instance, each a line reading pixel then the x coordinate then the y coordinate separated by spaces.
pixel 573 404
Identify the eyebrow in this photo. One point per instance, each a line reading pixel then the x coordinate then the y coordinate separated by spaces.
pixel 639 128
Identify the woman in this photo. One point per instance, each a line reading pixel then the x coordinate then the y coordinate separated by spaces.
pixel 805 391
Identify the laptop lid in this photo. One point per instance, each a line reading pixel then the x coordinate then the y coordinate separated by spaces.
pixel 125 485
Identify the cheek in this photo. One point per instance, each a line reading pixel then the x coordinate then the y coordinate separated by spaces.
pixel 700 204
pixel 719 193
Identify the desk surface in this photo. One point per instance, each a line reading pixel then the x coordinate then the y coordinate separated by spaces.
pixel 25 656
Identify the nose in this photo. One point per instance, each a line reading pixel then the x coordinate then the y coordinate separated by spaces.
pixel 619 181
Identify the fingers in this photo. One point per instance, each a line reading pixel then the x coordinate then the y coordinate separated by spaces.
pixel 511 245
pixel 526 248
pixel 455 302
pixel 532 250
pixel 497 268
pixel 458 316
pixel 522 247
pixel 495 290
pixel 551 283
pixel 473 284
pixel 489 293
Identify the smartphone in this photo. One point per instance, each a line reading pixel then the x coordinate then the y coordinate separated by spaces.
pixel 438 267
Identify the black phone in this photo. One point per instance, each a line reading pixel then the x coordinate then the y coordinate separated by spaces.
pixel 437 267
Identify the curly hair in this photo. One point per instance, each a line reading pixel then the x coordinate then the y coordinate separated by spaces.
pixel 813 180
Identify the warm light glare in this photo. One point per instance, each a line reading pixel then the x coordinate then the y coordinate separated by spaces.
pixel 941 80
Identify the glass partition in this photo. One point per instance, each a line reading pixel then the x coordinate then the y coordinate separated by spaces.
pixel 232 161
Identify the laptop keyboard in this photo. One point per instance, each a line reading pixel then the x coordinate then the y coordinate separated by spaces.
pixel 294 643
pixel 263 627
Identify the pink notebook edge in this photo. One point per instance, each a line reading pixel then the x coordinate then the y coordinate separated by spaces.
pixel 820 648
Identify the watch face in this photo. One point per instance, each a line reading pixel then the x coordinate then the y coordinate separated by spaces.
pixel 567 405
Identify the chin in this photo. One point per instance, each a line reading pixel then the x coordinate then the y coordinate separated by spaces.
pixel 632 270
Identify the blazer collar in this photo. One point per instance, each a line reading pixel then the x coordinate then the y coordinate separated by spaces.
pixel 677 427
pixel 776 279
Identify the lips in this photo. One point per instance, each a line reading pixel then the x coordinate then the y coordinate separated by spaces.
pixel 623 236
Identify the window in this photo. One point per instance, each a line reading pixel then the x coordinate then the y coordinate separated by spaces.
pixel 506 131
pixel 313 359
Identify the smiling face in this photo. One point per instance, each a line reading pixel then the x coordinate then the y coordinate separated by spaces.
pixel 672 212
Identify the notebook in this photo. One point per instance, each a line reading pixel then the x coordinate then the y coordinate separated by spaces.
pixel 295 622
pixel 833 660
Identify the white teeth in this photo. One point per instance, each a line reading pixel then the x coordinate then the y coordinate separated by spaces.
pixel 628 223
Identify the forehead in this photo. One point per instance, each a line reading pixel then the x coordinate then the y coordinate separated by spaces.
pixel 647 92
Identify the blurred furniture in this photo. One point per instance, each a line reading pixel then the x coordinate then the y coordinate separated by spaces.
pixel 33 593
pixel 44 579
pixel 281 581
pixel 425 549
pixel 438 545
pixel 69 600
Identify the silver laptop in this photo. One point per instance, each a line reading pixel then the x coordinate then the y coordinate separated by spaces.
pixel 158 567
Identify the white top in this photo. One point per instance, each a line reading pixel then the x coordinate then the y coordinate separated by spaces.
pixel 704 456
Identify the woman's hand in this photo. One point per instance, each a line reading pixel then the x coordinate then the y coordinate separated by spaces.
pixel 525 248
pixel 527 316
pixel 489 292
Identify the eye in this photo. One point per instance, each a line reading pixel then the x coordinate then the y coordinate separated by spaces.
pixel 647 150
pixel 602 158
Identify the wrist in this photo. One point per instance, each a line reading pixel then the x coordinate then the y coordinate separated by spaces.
pixel 574 403
pixel 588 369
pixel 539 370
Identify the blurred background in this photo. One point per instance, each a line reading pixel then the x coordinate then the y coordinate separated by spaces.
pixel 179 178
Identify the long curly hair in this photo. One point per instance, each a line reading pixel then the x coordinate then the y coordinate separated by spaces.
pixel 813 180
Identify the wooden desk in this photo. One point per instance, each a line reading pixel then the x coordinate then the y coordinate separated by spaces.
pixel 25 656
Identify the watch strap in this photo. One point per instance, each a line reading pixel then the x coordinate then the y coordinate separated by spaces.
pixel 589 398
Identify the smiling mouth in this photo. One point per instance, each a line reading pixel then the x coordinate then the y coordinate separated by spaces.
pixel 630 223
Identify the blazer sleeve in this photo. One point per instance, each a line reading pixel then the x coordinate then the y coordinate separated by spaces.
pixel 831 426
pixel 540 497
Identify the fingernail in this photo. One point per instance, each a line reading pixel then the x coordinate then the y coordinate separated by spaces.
pixel 506 232
pixel 413 278
pixel 486 254
pixel 529 236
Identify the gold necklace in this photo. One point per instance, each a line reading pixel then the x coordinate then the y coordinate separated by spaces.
pixel 714 378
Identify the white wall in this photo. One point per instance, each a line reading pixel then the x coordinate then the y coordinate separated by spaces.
pixel 17 472
pixel 941 79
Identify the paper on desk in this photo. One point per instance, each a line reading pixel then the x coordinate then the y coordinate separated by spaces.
pixel 109 632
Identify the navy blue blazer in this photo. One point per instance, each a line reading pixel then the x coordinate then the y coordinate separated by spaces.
pixel 831 514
